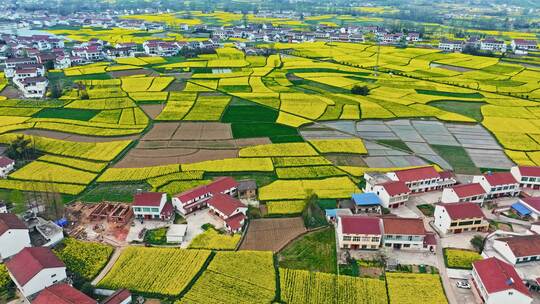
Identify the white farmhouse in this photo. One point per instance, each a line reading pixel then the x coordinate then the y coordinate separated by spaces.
pixel 497 282
pixel 519 249
pixel 459 217
pixel 14 235
pixel 392 194
pixel 6 166
pixel 527 176
pixel 34 269
pixel 404 233
pixel 473 193
pixel 359 232
pixel 152 206
pixel 498 184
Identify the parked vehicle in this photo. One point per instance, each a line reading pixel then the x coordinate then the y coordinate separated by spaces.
pixel 463 284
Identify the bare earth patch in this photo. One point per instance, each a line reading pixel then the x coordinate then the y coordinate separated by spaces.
pixel 157 157
pixel 272 234
pixel 152 110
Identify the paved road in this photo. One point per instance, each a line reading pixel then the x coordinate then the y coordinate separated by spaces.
pixel 107 268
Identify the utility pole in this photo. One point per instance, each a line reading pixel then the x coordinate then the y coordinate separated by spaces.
pixel 378 55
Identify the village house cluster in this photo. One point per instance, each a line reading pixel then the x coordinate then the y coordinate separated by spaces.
pixel 517 46
pixel 365 226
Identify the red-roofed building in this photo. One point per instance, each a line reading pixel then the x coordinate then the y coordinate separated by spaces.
pixel 422 179
pixel 498 184
pixel 533 204
pixel 404 233
pixel 519 249
pixel 527 176
pixel 459 217
pixel 121 296
pixel 14 235
pixel 359 232
pixel 62 294
pixel 35 268
pixel 152 206
pixel 523 44
pixel 197 198
pixel 473 193
pixel 392 193
pixel 497 282
pixel 229 209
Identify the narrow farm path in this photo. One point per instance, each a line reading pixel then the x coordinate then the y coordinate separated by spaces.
pixel 447 285
pixel 114 257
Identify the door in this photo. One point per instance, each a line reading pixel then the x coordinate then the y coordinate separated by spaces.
pixel 457 231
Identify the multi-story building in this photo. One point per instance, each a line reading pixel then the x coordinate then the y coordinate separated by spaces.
pixel 498 184
pixel 404 233
pixel 152 206
pixel 527 176
pixel 32 87
pixel 359 232
pixel 523 44
pixel 391 193
pixel 519 249
pixel 493 45
pixel 473 193
pixel 197 198
pixel 497 282
pixel 6 166
pixel 459 217
pixel 451 45
pixel 417 179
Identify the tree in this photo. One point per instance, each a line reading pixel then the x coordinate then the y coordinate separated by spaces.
pixel 16 198
pixel 313 215
pixel 360 90
pixel 478 242
pixel 20 149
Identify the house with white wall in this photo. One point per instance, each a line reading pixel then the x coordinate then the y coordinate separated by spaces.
pixel 473 193
pixel 527 176
pixel 152 206
pixel 451 45
pixel 497 282
pixel 530 206
pixel 359 232
pixel 392 193
pixel 519 249
pixel 417 179
pixel 197 198
pixel 6 166
pixel 404 233
pixel 34 269
pixel 230 210
pixel 498 184
pixel 14 235
pixel 459 217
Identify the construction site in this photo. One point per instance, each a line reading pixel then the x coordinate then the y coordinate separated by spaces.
pixel 104 222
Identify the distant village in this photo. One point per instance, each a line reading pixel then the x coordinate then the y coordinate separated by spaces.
pixel 28 58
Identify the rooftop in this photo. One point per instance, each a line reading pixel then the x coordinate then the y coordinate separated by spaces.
pixel 468 190
pixel 525 245
pixel 62 294
pixel 225 204
pixel 366 199
pixel 10 221
pixel 403 226
pixel 30 261
pixel 415 174
pixel 359 224
pixel 152 199
pixel 500 178
pixel 497 275
pixel 458 211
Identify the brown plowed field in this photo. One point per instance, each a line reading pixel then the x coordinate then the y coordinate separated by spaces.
pixel 272 234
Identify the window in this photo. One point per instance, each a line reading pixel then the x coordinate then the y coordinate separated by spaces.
pixel 155 209
pixel 54 275
pixel 375 239
pixel 346 238
pixel 145 209
pixel 356 239
pixel 137 209
pixel 406 245
pixel 410 237
pixel 477 222
pixel 466 223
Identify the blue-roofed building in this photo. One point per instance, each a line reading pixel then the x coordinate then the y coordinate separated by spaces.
pixel 520 209
pixel 366 203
